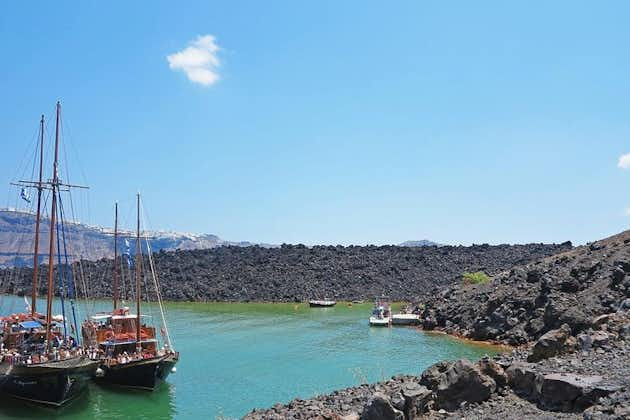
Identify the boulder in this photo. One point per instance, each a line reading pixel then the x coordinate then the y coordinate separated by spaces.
pixel 522 379
pixel 533 276
pixel 398 401
pixel 463 381
pixel 585 342
pixel 550 344
pixel 431 375
pixel 417 399
pixel 491 368
pixel 618 276
pixel 380 408
pixel 570 392
pixel 600 339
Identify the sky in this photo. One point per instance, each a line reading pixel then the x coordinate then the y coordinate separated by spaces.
pixel 328 122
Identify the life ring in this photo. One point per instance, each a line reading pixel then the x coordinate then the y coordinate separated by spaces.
pixel 109 335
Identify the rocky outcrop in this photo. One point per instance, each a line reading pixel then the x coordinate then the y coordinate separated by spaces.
pixel 298 273
pixel 520 305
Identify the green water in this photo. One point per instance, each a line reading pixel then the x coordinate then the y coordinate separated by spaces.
pixel 235 357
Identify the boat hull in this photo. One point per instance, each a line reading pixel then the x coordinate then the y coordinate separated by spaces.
pixel 147 374
pixel 53 384
pixel 405 319
pixel 380 322
pixel 321 304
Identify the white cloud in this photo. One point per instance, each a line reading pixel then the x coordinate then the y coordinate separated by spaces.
pixel 199 60
pixel 624 161
pixel 626 211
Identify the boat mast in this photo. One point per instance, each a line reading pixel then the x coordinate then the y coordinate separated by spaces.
pixel 138 257
pixel 116 257
pixel 51 253
pixel 37 220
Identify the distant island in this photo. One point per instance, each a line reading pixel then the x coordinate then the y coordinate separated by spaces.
pixel 421 242
pixel 17 231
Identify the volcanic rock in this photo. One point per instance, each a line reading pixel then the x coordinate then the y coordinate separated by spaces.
pixel 550 344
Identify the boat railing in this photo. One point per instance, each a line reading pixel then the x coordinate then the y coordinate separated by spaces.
pixel 14 359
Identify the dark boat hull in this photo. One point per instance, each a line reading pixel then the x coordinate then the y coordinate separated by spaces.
pixel 53 384
pixel 147 374
pixel 321 305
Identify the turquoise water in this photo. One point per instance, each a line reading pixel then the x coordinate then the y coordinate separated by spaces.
pixel 235 357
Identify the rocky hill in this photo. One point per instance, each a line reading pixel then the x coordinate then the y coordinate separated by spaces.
pixel 298 273
pixel 521 304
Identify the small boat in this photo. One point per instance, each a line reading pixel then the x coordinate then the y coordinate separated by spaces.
pixel 128 348
pixel 381 314
pixel 124 360
pixel 325 303
pixel 41 362
pixel 405 319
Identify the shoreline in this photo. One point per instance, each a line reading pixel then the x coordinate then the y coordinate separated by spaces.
pixel 470 341
pixel 572 381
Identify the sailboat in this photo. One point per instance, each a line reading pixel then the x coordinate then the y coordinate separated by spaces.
pixel 40 362
pixel 127 347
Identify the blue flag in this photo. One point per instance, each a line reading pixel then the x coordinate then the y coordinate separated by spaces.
pixel 25 195
pixel 127 253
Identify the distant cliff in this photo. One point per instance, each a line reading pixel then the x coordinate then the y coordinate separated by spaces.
pixel 297 273
pixel 17 232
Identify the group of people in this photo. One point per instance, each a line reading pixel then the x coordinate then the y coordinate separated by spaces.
pixel 15 357
pixel 32 348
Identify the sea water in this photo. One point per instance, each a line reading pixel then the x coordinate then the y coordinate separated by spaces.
pixel 235 357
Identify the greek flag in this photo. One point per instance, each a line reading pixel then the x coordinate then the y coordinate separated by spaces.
pixel 25 195
pixel 127 253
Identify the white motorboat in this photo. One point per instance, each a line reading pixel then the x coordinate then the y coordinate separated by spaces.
pixel 324 303
pixel 381 314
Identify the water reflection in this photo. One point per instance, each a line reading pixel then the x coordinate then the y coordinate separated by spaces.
pixel 101 402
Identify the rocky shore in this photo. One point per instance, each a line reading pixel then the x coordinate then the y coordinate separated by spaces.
pixel 560 376
pixel 568 315
pixel 298 273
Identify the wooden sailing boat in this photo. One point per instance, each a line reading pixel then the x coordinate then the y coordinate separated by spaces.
pixel 127 348
pixel 40 363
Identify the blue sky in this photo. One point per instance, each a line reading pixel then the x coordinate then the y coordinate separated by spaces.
pixel 332 122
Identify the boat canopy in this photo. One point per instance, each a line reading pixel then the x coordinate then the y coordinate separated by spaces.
pixel 130 316
pixel 30 324
pixel 103 317
pixel 100 317
pixel 118 343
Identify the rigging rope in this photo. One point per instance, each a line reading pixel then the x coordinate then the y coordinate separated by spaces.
pixel 157 290
pixel 61 277
pixel 71 280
